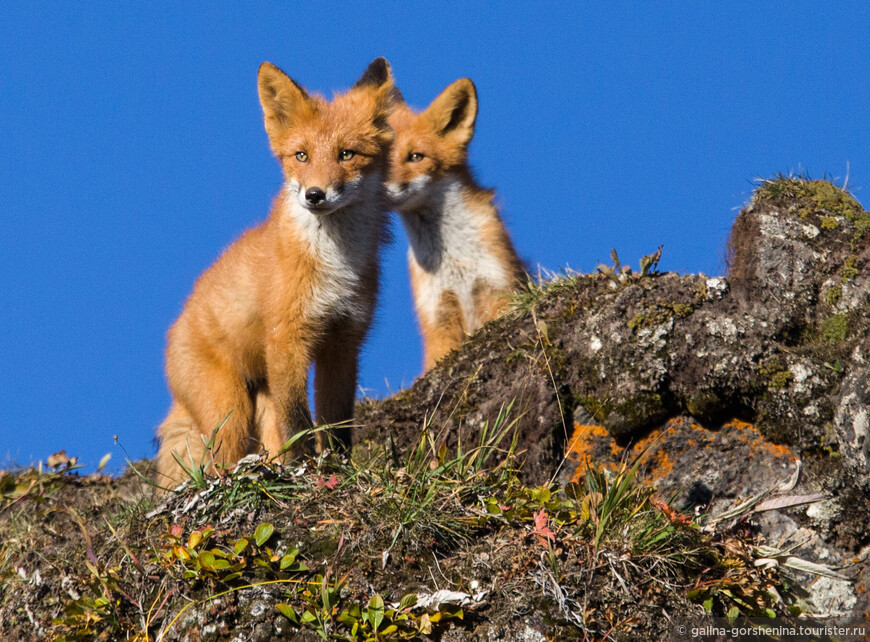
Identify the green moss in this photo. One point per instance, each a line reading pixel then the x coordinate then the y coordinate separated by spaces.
pixel 776 373
pixel 829 223
pixel 834 329
pixel 682 309
pixel 850 269
pixel 648 319
pixel 830 198
pixel 662 313
pixel 598 409
pixel 701 291
pixel 833 295
pixel 862 222
pixel 780 379
pixel 624 417
pixel 703 404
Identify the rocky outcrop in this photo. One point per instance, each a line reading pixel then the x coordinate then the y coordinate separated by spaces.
pixel 739 379
pixel 751 389
pixel 781 341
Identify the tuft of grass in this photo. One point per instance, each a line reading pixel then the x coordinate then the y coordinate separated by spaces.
pixel 547 283
pixel 622 509
pixel 820 196
pixel 420 499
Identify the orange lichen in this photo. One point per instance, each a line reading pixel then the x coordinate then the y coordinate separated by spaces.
pixel 662 453
pixel 583 440
pixel 582 444
pixel 663 464
pixel 778 450
pixel 739 424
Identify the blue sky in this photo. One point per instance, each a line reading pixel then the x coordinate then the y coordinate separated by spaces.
pixel 132 151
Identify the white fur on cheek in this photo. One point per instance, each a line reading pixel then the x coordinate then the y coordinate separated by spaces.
pixel 347 194
pixel 411 195
pixel 394 191
pixel 293 193
pixel 291 188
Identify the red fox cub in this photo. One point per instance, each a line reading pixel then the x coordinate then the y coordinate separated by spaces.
pixel 297 289
pixel 461 259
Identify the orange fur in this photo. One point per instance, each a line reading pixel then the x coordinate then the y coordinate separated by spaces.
pixel 297 289
pixel 462 262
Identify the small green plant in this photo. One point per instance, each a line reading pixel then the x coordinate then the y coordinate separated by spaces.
pixel 621 274
pixel 836 367
pixel 101 605
pixel 623 507
pixel 197 470
pixel 419 499
pixel 36 484
pixel 650 262
pixel 203 559
pixel 327 612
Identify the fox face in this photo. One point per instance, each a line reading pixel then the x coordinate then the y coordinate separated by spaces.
pixel 431 144
pixel 333 153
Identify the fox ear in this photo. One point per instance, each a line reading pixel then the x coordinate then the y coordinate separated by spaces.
pixel 454 111
pixel 379 77
pixel 377 73
pixel 282 99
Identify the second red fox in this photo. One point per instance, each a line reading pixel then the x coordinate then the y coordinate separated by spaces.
pixel 462 262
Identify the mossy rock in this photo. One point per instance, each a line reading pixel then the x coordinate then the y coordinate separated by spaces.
pixel 811 196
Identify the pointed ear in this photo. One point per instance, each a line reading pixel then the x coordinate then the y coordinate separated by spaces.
pixel 378 77
pixel 282 99
pixel 377 73
pixel 454 111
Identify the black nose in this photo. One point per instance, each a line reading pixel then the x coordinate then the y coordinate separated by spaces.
pixel 314 195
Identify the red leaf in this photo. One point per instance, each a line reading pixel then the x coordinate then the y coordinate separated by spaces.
pixel 330 483
pixel 674 517
pixel 542 532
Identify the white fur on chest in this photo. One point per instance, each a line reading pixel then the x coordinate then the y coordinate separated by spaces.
pixel 448 246
pixel 345 246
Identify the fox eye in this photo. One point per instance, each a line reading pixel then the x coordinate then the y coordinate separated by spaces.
pixel 301 157
pixel 346 154
pixel 415 157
